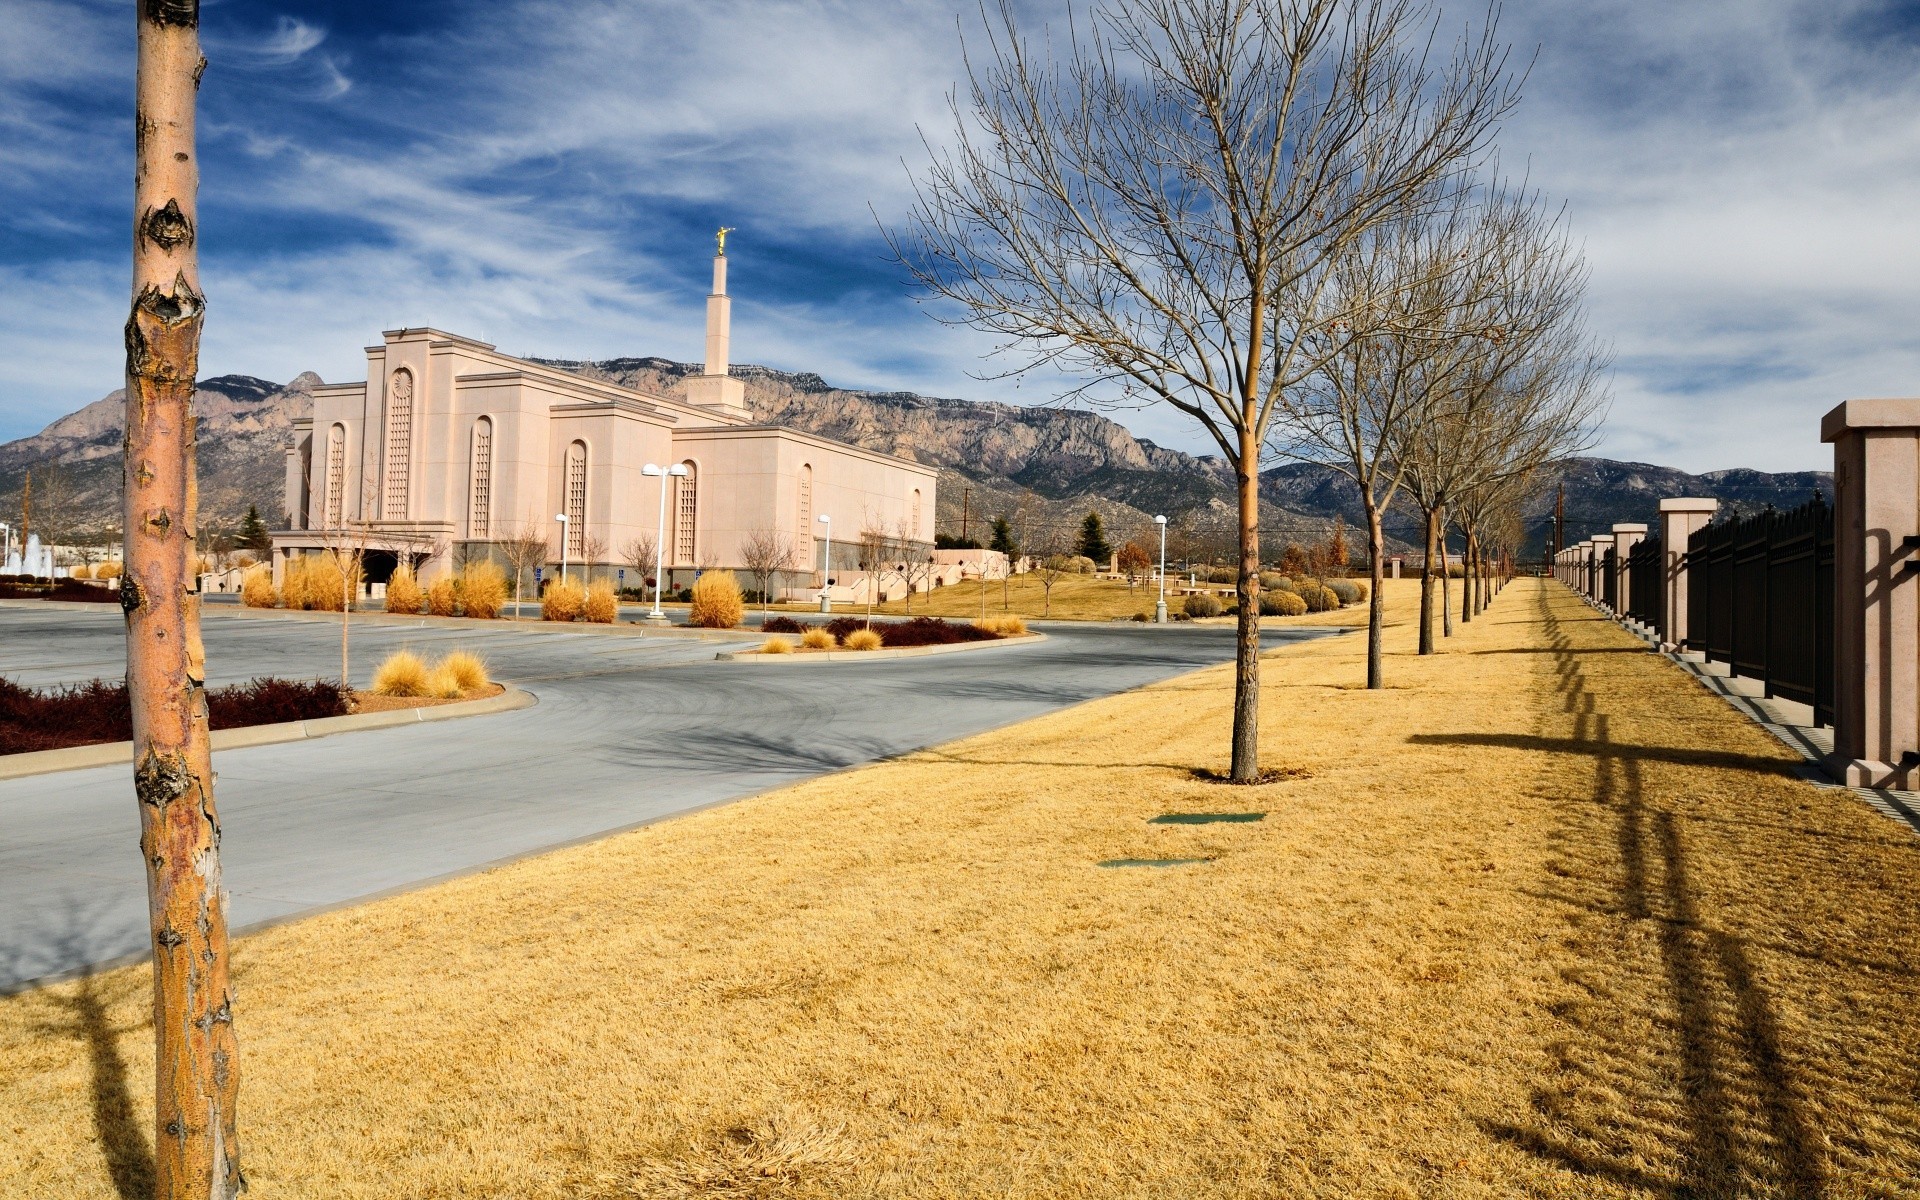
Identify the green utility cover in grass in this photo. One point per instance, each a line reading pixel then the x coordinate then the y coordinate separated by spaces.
pixel 1152 862
pixel 1203 818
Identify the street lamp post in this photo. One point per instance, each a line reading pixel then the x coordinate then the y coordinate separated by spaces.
pixel 826 568
pixel 1160 608
pixel 562 518
pixel 677 471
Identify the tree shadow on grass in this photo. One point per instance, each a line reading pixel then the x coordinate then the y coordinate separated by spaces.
pixel 1674 1075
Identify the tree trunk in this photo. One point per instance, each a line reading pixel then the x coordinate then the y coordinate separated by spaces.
pixel 1377 574
pixel 1246 678
pixel 1446 580
pixel 1469 568
pixel 1426 581
pixel 196 1147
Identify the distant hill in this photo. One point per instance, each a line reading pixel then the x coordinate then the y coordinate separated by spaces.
pixel 1042 467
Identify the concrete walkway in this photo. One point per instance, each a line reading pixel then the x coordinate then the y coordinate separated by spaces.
pixel 627 730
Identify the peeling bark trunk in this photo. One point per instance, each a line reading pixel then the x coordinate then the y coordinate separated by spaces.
pixel 196 1150
pixel 1376 608
pixel 1246 679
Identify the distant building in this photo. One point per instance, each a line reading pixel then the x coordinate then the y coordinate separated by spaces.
pixel 449 446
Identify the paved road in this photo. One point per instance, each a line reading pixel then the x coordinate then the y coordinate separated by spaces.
pixel 626 730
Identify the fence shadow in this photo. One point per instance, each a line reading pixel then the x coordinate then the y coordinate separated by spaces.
pixel 1671 1076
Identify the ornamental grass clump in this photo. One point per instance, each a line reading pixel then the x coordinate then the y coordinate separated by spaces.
pixel 468 669
pixel 1200 605
pixel 326 586
pixel 1003 626
pixel 777 645
pixel 403 592
pixel 1319 599
pixel 863 639
pixel 403 673
pixel 817 638
pixel 256 588
pixel 1282 603
pixel 1346 589
pixel 294 583
pixel 564 600
pixel 602 606
pixel 442 600
pixel 442 684
pixel 716 601
pixel 482 590
pixel 109 570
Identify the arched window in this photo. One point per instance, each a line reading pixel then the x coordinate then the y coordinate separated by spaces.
pixel 913 531
pixel 576 509
pixel 806 501
pixel 399 442
pixel 480 495
pixel 686 517
pixel 333 505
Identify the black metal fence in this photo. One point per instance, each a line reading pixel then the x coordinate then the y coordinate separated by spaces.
pixel 1646 585
pixel 1760 599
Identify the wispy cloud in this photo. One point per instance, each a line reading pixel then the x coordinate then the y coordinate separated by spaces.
pixel 546 174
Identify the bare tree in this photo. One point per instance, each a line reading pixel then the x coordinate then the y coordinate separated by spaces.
pixel 196 1077
pixel 524 548
pixel 593 549
pixel 1159 209
pixel 642 554
pixel 765 553
pixel 876 549
pixel 55 505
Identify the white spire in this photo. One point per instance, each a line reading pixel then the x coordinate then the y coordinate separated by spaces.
pixel 719 318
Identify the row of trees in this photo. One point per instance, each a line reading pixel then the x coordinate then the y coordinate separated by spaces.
pixel 1285 220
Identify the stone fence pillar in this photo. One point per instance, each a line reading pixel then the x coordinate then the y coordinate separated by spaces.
pixel 1679 517
pixel 1876 591
pixel 1625 537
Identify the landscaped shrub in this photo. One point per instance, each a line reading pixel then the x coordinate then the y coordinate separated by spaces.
pixel 1080 564
pixel 1281 603
pixel 468 669
pixel 97 711
pixel 602 607
pixel 482 590
pixel 83 571
pixel 1006 626
pixel 1361 590
pixel 777 645
pixel 1272 579
pixel 781 625
pixel 1346 589
pixel 932 631
pixel 403 592
pixel 1223 575
pixel 72 589
pixel 326 586
pixel 402 674
pixel 564 600
pixel 293 582
pixel 817 638
pixel 864 639
pixel 256 588
pixel 1201 605
pixel 1319 599
pixel 840 627
pixel 111 570
pixel 442 599
pixel 717 603
pixel 442 684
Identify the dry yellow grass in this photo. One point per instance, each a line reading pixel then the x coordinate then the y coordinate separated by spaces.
pixel 863 639
pixel 602 606
pixel 716 601
pixel 403 591
pixel 402 673
pixel 1541 919
pixel 777 645
pixel 1075 597
pixel 817 638
pixel 564 600
pixel 1005 626
pixel 468 669
pixel 256 588
pixel 482 590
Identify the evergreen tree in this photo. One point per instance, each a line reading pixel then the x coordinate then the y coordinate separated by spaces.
pixel 1093 540
pixel 1003 538
pixel 253 531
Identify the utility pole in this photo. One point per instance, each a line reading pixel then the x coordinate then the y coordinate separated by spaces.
pixel 1559 519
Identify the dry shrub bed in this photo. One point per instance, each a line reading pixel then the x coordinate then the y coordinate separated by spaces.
pixel 1542 919
pixel 83 714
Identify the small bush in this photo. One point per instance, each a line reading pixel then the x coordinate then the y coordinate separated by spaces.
pixel 256 588
pixel 73 589
pixel 83 571
pixel 717 603
pixel 98 711
pixel 777 645
pixel 1272 579
pixel 1201 605
pixel 326 586
pixel 1361 590
pixel 1282 603
pixel 817 638
pixel 403 592
pixel 602 607
pixel 564 600
pixel 1223 575
pixel 1346 589
pixel 864 639
pixel 1141 617
pixel 1080 564
pixel 931 631
pixel 482 589
pixel 468 669
pixel 1005 626
pixel 442 599
pixel 402 674
pixel 112 570
pixel 273 702
pixel 442 684
pixel 782 625
pixel 1319 599
pixel 293 582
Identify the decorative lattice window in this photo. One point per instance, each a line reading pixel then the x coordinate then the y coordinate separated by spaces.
pixel 806 501
pixel 333 507
pixel 399 442
pixel 914 532
pixel 576 499
pixel 684 544
pixel 480 499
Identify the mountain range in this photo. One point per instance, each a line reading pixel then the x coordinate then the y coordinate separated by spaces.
pixel 1042 467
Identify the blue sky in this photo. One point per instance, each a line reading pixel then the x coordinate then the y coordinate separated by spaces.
pixel 546 175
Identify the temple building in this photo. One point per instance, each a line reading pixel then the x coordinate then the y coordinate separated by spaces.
pixel 449 446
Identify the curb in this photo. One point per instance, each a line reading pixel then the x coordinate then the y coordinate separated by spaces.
pixel 107 754
pixel 754 656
